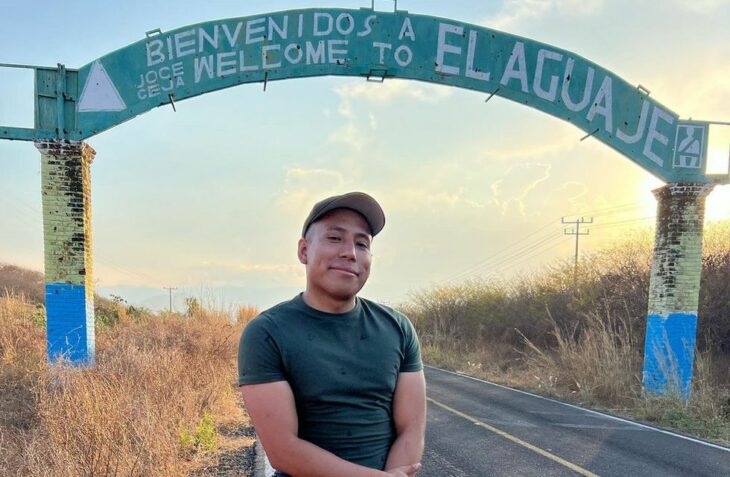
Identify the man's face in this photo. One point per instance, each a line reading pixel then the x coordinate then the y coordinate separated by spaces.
pixel 336 252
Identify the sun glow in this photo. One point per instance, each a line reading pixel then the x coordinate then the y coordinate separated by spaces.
pixel 718 149
pixel 647 196
pixel 718 162
pixel 717 206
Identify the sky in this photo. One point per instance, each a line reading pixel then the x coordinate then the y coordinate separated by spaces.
pixel 210 199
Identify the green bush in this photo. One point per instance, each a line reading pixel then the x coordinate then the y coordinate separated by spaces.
pixel 203 440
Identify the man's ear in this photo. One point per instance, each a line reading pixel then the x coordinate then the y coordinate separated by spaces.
pixel 302 250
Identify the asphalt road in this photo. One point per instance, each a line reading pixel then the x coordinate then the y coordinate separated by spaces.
pixel 477 428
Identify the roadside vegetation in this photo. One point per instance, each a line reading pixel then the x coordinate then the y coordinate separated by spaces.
pixel 584 343
pixel 161 399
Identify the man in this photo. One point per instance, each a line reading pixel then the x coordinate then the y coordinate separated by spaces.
pixel 333 382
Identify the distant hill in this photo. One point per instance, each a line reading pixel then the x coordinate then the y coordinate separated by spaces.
pixel 21 281
pixel 31 284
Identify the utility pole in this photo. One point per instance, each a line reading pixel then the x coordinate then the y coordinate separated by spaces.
pixel 170 289
pixel 576 231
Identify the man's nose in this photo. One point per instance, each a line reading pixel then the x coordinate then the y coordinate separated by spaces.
pixel 347 249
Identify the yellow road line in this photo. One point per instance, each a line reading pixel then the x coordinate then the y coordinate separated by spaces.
pixel 517 440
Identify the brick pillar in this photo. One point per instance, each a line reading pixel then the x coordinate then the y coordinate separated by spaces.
pixel 66 189
pixel 674 289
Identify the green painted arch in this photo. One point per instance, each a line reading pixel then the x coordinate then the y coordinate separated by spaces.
pixel 172 66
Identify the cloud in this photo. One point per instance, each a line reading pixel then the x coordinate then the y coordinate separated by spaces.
pixel 350 134
pixel 300 175
pixel 428 199
pixel 540 148
pixel 303 187
pixel 345 108
pixel 268 267
pixel 373 121
pixel 392 89
pixel 705 7
pixel 227 273
pixel 514 187
pixel 570 192
pixel 356 131
pixel 515 12
pixel 707 94
pixel 237 268
pixel 416 198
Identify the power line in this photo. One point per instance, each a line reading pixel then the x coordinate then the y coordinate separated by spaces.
pixel 577 233
pixel 495 260
pixel 626 206
pixel 610 225
pixel 33 222
pixel 554 242
pixel 541 252
pixel 525 250
pixel 495 255
pixel 613 224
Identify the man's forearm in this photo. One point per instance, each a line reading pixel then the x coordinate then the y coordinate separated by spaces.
pixel 304 459
pixel 407 448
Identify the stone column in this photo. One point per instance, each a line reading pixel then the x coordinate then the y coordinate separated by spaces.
pixel 674 289
pixel 66 189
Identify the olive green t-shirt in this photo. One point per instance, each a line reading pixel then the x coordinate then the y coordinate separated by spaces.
pixel 342 369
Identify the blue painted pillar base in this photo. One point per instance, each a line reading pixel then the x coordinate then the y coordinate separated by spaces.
pixel 669 354
pixel 70 320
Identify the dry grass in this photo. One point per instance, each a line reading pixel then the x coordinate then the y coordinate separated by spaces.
pixel 154 380
pixel 246 313
pixel 21 351
pixel 602 365
pixel 706 414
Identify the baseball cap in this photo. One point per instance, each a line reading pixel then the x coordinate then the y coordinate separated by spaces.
pixel 360 202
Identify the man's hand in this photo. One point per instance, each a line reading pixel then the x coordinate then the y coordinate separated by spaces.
pixel 404 470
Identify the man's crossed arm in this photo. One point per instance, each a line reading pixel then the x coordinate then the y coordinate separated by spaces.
pixel 409 416
pixel 273 411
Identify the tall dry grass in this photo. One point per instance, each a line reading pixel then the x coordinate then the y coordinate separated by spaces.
pixel 22 348
pixel 154 380
pixel 601 366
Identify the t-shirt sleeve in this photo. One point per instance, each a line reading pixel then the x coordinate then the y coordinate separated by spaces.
pixel 259 358
pixel 412 355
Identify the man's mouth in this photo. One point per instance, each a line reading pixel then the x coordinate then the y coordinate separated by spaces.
pixel 345 270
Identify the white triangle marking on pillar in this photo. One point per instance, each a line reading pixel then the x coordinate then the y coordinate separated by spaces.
pixel 99 92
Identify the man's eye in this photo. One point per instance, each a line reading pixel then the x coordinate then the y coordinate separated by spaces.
pixel 334 238
pixel 363 245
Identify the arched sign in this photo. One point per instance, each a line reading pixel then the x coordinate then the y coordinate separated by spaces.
pixel 196 59
pixel 72 105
